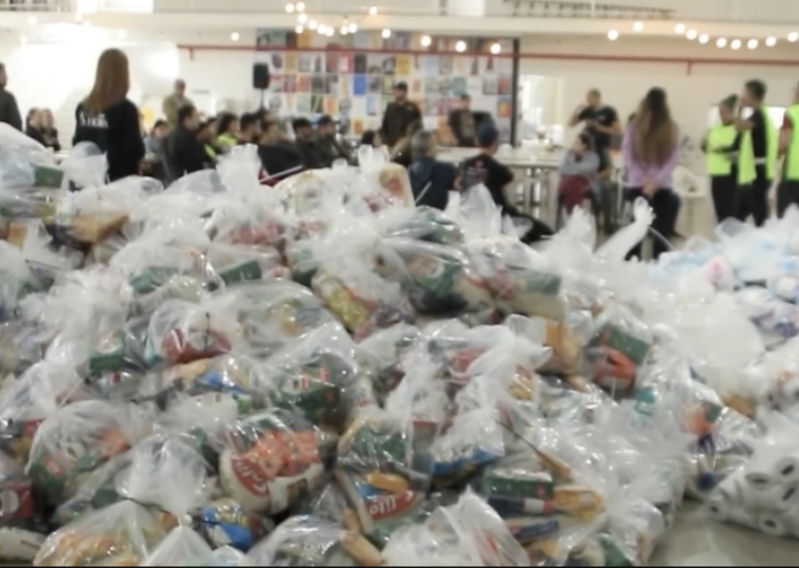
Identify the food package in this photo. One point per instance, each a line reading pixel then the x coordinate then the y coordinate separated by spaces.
pixel 468 533
pixel 224 523
pixel 438 279
pixel 269 460
pixel 255 220
pixel 320 376
pixel 242 263
pixel 182 332
pixel 272 314
pixel 383 354
pixel 21 527
pixel 16 280
pixel 421 223
pixel 308 541
pixel 183 547
pixel 776 319
pixel 76 440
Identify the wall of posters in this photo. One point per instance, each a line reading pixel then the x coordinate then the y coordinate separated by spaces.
pixel 351 77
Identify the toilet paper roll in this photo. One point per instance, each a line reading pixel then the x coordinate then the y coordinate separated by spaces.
pixel 732 488
pixel 786 468
pixel 778 498
pixel 791 520
pixel 723 512
pixel 760 469
pixel 772 524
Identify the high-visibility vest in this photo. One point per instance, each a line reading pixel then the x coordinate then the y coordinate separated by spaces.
pixel 790 169
pixel 719 137
pixel 747 162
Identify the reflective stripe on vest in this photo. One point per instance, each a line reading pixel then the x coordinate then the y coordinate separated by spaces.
pixel 719 137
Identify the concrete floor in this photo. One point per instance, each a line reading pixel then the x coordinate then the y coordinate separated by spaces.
pixel 695 541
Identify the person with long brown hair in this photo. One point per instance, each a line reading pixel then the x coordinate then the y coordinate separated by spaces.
pixel 109 119
pixel 650 150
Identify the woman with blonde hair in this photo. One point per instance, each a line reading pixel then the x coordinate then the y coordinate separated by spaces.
pixel 650 151
pixel 109 119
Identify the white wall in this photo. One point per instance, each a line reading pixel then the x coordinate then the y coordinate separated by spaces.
pixel 691 91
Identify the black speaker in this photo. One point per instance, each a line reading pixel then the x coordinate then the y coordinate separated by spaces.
pixel 260 76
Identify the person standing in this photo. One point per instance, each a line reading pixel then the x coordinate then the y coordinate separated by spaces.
pixel 173 102
pixel 720 158
pixel 650 149
pixel 601 121
pixel 183 150
pixel 757 145
pixel 9 111
pixel 399 115
pixel 461 123
pixel 107 118
pixel 788 190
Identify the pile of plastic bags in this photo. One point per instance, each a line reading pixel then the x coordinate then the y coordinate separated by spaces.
pixel 322 374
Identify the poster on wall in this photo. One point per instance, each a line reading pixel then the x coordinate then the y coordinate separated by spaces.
pixel 352 77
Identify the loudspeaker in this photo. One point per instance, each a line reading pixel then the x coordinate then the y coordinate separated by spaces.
pixel 260 76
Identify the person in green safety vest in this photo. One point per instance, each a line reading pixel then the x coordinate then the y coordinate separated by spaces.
pixel 227 129
pixel 788 190
pixel 721 159
pixel 757 154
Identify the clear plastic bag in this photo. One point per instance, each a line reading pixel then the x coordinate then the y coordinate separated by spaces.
pixel 776 319
pixel 308 541
pixel 421 223
pixel 181 332
pixel 21 528
pixel 257 219
pixel 16 280
pixel 225 523
pixel 238 263
pixel 382 353
pixel 269 460
pixel 438 279
pixel 78 439
pixel 183 547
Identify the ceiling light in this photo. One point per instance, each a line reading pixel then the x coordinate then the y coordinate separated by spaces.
pixel 752 43
pixel 344 30
pixel 691 34
pixel 638 26
pixel 460 47
pixel 302 18
pixel 496 48
pixel 290 8
pixel 771 41
pixel 352 28
pixel 721 42
pixel 299 29
pixel 613 35
pixel 330 31
pixel 704 38
pixel 426 41
pixel 23 40
pixel 32 20
pixel 386 33
pixel 679 29
pixel 735 44
pixel 234 36
pixel 313 24
pixel 373 11
pixel 322 29
pixel 793 36
pixel 300 6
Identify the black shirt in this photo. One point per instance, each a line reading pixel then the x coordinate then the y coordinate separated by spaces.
pixel 431 182
pixel 484 169
pixel 759 136
pixel 184 153
pixel 116 132
pixel 604 116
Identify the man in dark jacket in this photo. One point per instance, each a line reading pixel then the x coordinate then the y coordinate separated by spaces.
pixel 330 148
pixel 277 154
pixel 9 111
pixel 431 180
pixel 398 116
pixel 303 140
pixel 184 152
pixel 461 122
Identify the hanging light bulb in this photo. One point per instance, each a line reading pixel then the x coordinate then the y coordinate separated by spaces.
pixel 613 35
pixel 704 38
pixel 638 26
pixel 721 42
pixel 735 44
pixel 330 31
pixel 386 33
pixel 290 7
pixel 373 10
pixel 299 29
pixel 344 30
pixel 793 36
pixel 426 41
pixel 302 18
pixel 460 47
pixel 752 44
pixel 679 29
pixel 313 24
pixel 353 27
pixel 691 34
pixel 322 29
pixel 300 6
pixel 234 36
pixel 771 41
pixel 496 48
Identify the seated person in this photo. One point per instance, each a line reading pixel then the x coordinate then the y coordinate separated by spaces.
pixel 183 151
pixel 249 129
pixel 306 146
pixel 431 180
pixel 485 169
pixel 401 152
pixel 227 128
pixel 371 138
pixel 277 154
pixel 578 173
pixel 329 146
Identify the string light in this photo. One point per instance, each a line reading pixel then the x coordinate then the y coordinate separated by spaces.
pixel 460 47
pixel 290 8
pixel 679 29
pixel 721 42
pixel 300 6
pixel 322 29
pixel 691 34
pixel 302 18
pixel 496 48
pixel 299 29
pixel 234 36
pixel 353 28
pixel 793 36
pixel 313 24
pixel 613 35
pixel 704 38
pixel 638 26
pixel 752 44
pixel 344 30
pixel 373 10
pixel 330 31
pixel 426 41
pixel 735 44
pixel 771 41
pixel 386 33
